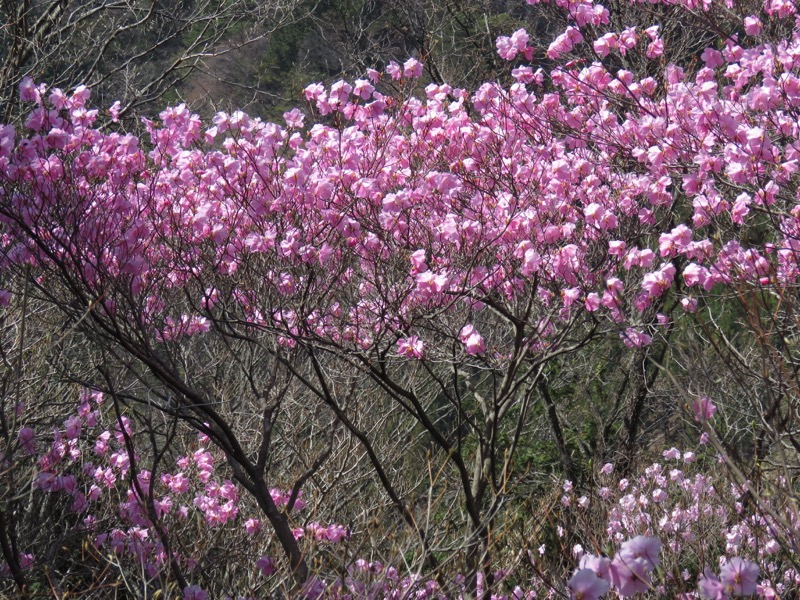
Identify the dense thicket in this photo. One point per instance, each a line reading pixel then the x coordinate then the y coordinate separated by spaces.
pixel 414 338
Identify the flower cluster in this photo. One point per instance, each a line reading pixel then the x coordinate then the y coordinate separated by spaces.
pixel 667 522
pixel 243 186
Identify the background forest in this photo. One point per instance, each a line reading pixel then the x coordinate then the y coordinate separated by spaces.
pixel 256 57
pixel 399 299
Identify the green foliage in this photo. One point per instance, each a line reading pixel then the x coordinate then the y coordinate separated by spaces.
pixel 281 59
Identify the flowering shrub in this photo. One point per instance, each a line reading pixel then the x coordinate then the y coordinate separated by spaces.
pixel 454 251
pixel 675 527
pixel 669 531
pixel 127 514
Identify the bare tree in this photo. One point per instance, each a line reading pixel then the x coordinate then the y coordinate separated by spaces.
pixel 133 51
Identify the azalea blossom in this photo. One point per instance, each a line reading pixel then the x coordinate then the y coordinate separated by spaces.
pixel 740 576
pixel 586 585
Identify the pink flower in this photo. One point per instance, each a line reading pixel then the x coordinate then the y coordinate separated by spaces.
pixel 505 48
pixel 605 44
pixel 523 74
pixel 658 282
pixel 411 347
pixel 655 49
pixel 72 427
pixel 294 118
pixel 586 585
pixel 592 302
pixel 474 344
pixel 641 547
pixel 711 588
pixel 418 261
pixel 363 89
pixel 740 576
pixel 630 577
pixel 394 71
pixel 266 565
pixel 509 47
pixel 28 92
pixel 252 526
pixel 79 96
pixel 314 91
pixel 412 69
pixel 712 58
pixel 627 39
pixel 634 338
pixel 704 409
pixel 520 39
pixel 752 25
pixel 114 111
pixel 27 439
pixel 599 564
